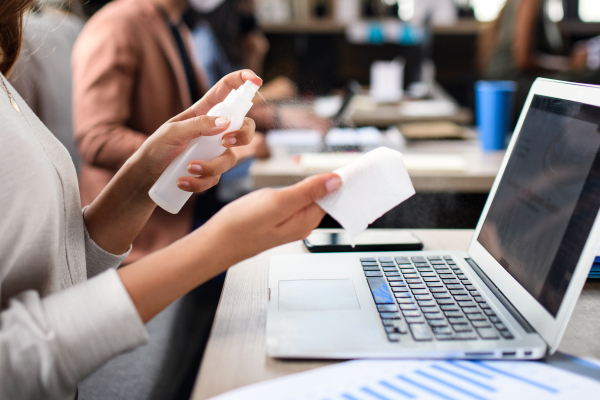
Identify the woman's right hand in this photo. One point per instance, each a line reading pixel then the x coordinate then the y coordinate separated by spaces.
pixel 267 218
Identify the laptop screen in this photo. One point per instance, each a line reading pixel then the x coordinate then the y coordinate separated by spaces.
pixel 548 198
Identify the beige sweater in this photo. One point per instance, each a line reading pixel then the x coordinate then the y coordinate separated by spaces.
pixel 63 309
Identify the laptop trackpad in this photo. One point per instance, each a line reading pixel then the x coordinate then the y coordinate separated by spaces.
pixel 317 295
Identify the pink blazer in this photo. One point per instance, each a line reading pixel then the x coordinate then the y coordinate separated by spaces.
pixel 128 79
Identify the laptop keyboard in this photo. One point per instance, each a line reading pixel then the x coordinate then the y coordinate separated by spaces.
pixel 431 298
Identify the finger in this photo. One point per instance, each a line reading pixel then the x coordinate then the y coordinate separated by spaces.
pixel 308 191
pixel 183 131
pixel 218 93
pixel 219 165
pixel 242 136
pixel 197 184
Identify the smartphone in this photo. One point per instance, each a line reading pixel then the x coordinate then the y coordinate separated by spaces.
pixel 337 240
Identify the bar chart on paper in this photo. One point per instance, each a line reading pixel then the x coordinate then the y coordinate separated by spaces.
pixel 439 380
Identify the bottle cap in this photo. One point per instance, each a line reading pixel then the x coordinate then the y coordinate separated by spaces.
pixel 240 101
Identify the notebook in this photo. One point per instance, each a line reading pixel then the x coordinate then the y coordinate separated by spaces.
pixel 509 296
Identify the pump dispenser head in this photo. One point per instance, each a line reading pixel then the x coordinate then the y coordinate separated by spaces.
pixel 240 101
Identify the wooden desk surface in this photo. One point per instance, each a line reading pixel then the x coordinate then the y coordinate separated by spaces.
pixel 478 176
pixel 235 355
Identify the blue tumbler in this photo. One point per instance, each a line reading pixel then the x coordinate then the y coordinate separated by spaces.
pixel 494 103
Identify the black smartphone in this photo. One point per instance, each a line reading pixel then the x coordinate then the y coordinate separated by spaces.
pixel 337 240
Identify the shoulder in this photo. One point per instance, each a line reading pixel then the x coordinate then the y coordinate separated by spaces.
pixel 120 19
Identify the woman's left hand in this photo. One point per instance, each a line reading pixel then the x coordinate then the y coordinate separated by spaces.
pixel 171 139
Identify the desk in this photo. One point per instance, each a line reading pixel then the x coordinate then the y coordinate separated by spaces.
pixel 235 355
pixel 478 177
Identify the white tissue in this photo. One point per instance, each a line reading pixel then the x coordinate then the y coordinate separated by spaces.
pixel 371 186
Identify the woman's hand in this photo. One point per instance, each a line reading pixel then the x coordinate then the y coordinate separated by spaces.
pixel 268 218
pixel 173 137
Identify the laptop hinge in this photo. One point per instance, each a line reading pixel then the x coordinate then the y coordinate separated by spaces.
pixel 505 302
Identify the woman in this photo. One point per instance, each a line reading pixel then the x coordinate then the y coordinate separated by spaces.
pixel 65 309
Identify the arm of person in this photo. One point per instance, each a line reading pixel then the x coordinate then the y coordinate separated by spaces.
pixel 118 214
pixel 244 228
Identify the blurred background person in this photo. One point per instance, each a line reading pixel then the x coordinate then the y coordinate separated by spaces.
pixel 524 43
pixel 227 38
pixel 42 74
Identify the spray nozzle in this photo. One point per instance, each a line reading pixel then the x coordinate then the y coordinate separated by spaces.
pixel 247 90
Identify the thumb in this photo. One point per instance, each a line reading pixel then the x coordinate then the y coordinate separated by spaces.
pixel 181 132
pixel 310 190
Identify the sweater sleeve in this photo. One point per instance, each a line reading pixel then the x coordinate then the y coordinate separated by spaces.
pixel 54 342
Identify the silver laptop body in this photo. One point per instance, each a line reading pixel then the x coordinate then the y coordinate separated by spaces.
pixel 509 296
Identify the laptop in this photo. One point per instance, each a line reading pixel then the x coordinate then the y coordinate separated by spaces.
pixel 510 296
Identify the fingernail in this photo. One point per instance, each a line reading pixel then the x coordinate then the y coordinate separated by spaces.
pixel 229 140
pixel 221 121
pixel 333 184
pixel 183 184
pixel 195 169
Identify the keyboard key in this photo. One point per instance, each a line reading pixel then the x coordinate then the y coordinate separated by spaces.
pixel 380 291
pixel 385 259
pixel 461 297
pixel 436 262
pixel 488 333
pixel 412 280
pixel 437 322
pixel 481 324
pixel 448 258
pixel 437 290
pixel 434 258
pixel 370 268
pixel 462 328
pixel 431 279
pixel 386 307
pixel 422 297
pixel 469 303
pixel 457 292
pixel 445 301
pixel 501 327
pixel 495 319
pixel 418 259
pixel 435 284
pixel 389 269
pixel 374 264
pixel 466 283
pixel 395 279
pixel 446 276
pixel 405 300
pixel 394 337
pixel 489 312
pixel 507 335
pixel 398 284
pixel 373 273
pixel 465 336
pixel 470 310
pixel 441 330
pixel 402 260
pixel 453 314
pixel 420 332
pixel 419 291
pixel 452 287
pixel 368 259
pixel 402 295
pixel 470 287
pixel 411 276
pixel 429 309
pixel 450 281
pixel 476 317
pixel 445 295
pixel 485 306
pixel 461 277
pixel 458 320
pixel 389 315
pixel 439 267
pixel 388 264
pixel 392 273
pixel 433 315
pixel 401 326
pixel 411 314
pixel 449 307
pixel 427 303
pixel 388 322
pixel 399 289
pixel 408 306
pixel 479 299
pixel 417 286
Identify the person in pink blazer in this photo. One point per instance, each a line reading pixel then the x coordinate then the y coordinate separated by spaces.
pixel 129 77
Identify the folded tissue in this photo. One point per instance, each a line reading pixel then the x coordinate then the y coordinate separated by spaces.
pixel 372 185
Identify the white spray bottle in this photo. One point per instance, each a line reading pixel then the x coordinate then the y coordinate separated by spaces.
pixel 165 192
